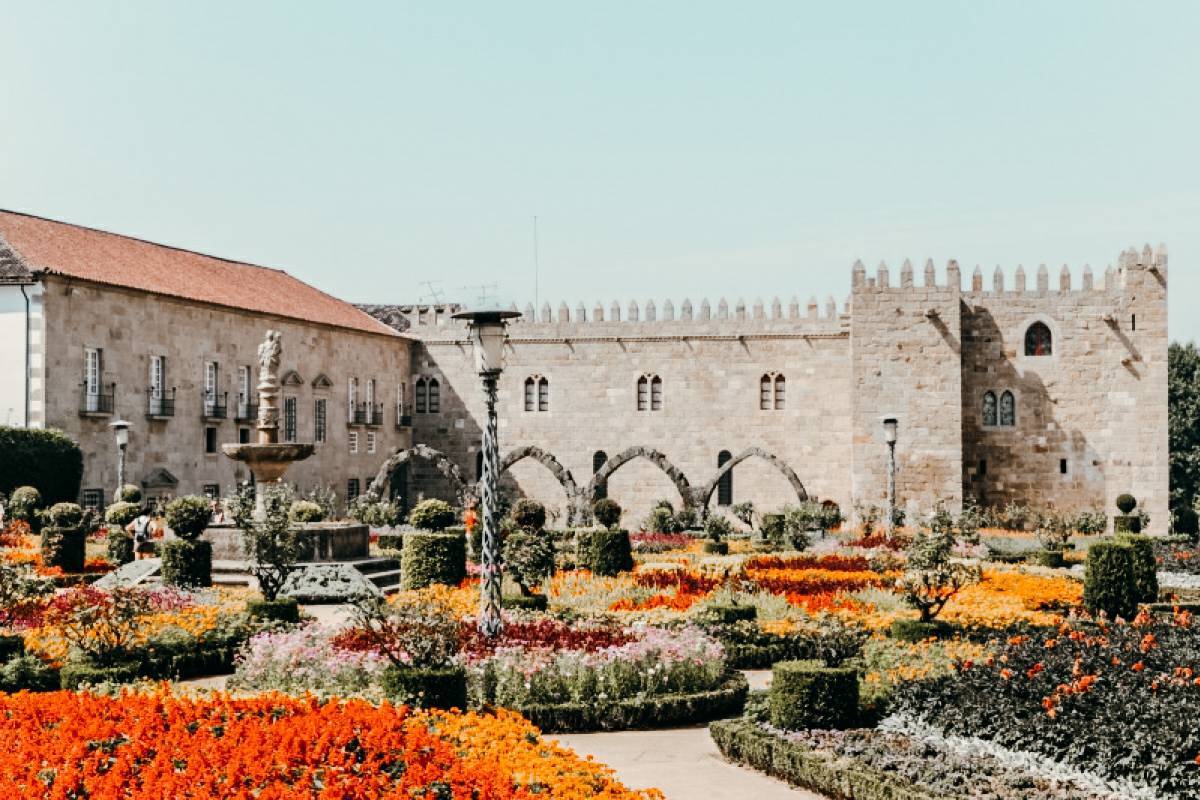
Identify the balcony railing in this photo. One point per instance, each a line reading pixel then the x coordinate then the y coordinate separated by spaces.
pixel 159 402
pixel 97 401
pixel 246 411
pixel 358 414
pixel 375 415
pixel 216 406
pixel 403 419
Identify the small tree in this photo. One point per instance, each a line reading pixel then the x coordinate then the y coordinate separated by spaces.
pixel 415 629
pixel 607 512
pixel 744 512
pixel 273 546
pixel 717 528
pixel 529 515
pixel 931 577
pixel 529 559
pixel 103 626
pixel 660 520
pixel 432 515
pixel 1053 531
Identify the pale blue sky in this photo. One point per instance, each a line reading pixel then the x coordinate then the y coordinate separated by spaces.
pixel 669 149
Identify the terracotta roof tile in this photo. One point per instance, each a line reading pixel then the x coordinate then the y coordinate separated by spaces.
pixel 43 245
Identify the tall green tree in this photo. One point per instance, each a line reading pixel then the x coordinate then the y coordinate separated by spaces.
pixel 1183 409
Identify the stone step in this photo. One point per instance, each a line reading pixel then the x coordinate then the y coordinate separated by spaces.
pixel 387 579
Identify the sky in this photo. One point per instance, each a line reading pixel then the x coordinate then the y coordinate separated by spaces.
pixel 667 149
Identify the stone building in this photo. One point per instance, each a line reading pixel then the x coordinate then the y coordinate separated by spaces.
pixel 98 326
pixel 1043 394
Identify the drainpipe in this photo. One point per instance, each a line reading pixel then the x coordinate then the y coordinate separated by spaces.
pixel 28 358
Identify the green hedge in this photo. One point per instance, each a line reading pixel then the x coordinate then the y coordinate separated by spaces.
pixel 808 694
pixel 285 609
pixel 1046 558
pixel 11 646
pixel 914 630
pixel 186 562
pixel 1108 580
pixel 29 674
pixel 662 711
pixel 426 687
pixel 744 743
pixel 64 547
pixel 120 546
pixel 430 558
pixel 605 552
pixel 1145 568
pixel 726 613
pixel 44 458
pixel 716 548
pixel 74 675
pixel 534 602
pixel 1127 524
pixel 391 541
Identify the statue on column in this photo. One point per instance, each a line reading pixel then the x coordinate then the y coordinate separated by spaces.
pixel 268 388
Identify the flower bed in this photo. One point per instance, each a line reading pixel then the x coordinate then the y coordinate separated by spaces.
pixel 64 744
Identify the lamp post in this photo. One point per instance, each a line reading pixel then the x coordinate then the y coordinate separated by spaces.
pixel 120 429
pixel 487 340
pixel 889 435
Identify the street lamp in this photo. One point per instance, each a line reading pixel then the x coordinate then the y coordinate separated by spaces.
pixel 487 340
pixel 889 435
pixel 120 429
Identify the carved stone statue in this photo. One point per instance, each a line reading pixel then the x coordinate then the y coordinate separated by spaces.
pixel 269 353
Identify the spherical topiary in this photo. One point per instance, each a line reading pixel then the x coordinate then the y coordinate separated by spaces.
pixel 605 551
pixel 25 500
pixel 306 511
pixel 121 513
pixel 1108 580
pixel 1126 503
pixel 529 559
pixel 186 563
pixel 529 515
pixel 808 694
pixel 432 515
pixel 429 558
pixel 65 515
pixel 129 494
pixel 607 512
pixel 188 516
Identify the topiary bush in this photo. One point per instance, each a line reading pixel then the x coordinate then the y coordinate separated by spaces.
pixel 128 493
pixel 528 515
pixel 306 511
pixel 533 602
pixel 717 528
pixel 660 520
pixel 425 687
pixel 529 559
pixel 728 613
pixel 24 504
pixel 432 515
pixel 186 562
pixel 604 551
pixel 808 694
pixel 1126 503
pixel 119 549
pixel 607 512
pixel 1108 581
pixel 284 609
pixel 1145 568
pixel 1046 558
pixel 188 516
pixel 43 458
pixel 121 513
pixel 64 515
pixel 715 548
pixel 915 630
pixel 429 558
pixel 63 545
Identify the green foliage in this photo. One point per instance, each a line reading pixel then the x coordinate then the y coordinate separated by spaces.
pixel 1183 424
pixel 24 503
pixel 186 562
pixel 726 613
pixel 306 511
pixel 529 559
pixel 75 675
pixel 27 673
pixel 1108 581
pixel 715 548
pixel 604 551
pixel 1090 523
pixel 931 578
pixel 425 687
pixel 101 627
pixel 660 520
pixel 64 548
pixel 533 602
pixel 1126 503
pixel 20 584
pixel 284 609
pixel 188 516
pixel 1145 568
pixel 808 694
pixel 529 515
pixel 40 457
pixel 744 512
pixel 63 515
pixel 1053 531
pixel 119 548
pixel 326 499
pixel 409 631
pixel 1046 558
pixel 273 545
pixel 915 630
pixel 432 515
pixel 686 519
pixel 430 558
pixel 1127 523
pixel 121 513
pixel 607 512
pixel 717 528
pixel 128 493
pixel 773 528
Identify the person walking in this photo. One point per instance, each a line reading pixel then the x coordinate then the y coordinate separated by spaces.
pixel 142 529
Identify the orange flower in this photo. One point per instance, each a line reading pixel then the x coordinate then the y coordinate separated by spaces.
pixel 1006 673
pixel 1138 667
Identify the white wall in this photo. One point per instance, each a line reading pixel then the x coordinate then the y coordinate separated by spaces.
pixel 12 354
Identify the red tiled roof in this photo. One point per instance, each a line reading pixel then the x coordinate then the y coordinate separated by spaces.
pixel 59 248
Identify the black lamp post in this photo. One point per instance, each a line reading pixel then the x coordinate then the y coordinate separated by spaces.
pixel 890 424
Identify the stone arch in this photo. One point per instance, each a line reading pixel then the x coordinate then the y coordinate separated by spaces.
pixel 704 493
pixel 556 468
pixel 440 461
pixel 624 457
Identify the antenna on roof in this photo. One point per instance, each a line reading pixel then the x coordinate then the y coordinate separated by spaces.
pixel 433 295
pixel 486 292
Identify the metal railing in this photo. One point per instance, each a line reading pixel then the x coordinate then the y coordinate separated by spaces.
pixel 98 401
pixel 375 415
pixel 160 403
pixel 358 414
pixel 216 406
pixel 246 411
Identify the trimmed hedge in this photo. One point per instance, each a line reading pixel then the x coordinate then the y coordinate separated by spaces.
pixel 11 646
pixel 74 675
pixel 914 630
pixel 744 743
pixel 391 541
pixel 426 687
pixel 120 546
pixel 186 562
pixel 716 548
pixel 1127 524
pixel 605 552
pixel 1046 558
pixel 430 558
pixel 607 512
pixel 649 713
pixel 1108 581
pixel 43 458
pixel 432 515
pixel 533 602
pixel 808 694
pixel 29 674
pixel 1145 568
pixel 64 548
pixel 188 516
pixel 285 609
pixel 726 613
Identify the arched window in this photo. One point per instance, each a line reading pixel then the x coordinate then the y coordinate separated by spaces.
pixel 435 396
pixel 544 394
pixel 725 484
pixel 764 393
pixel 421 396
pixel 1008 410
pixel 656 393
pixel 989 409
pixel 780 392
pixel 643 394
pixel 598 459
pixel 1038 340
pixel 529 392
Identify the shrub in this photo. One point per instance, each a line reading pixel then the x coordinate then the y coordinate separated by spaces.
pixel 24 503
pixel 727 613
pixel 188 516
pixel 1145 568
pixel 915 630
pixel 102 626
pixel 686 519
pixel 607 512
pixel 605 552
pixel 1108 580
pixel 1127 524
pixel 808 694
pixel 773 527
pixel 432 515
pixel 425 687
pixel 931 578
pixel 273 545
pixel 1053 531
pixel 1046 558
pixel 64 548
pixel 378 513
pixel 529 559
pixel 660 520
pixel 429 558
pixel 716 527
pixel 43 458
pixel 715 548
pixel 186 562
pixel 416 629
pixel 1126 503
pixel 306 511
pixel 533 602
pixel 64 515
pixel 744 512
pixel 28 673
pixel 119 548
pixel 529 515
pixel 129 493
pixel 285 609
pixel 1090 523
pixel 121 513
pixel 75 675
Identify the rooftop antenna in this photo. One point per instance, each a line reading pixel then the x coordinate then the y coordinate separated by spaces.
pixel 535 261
pixel 433 295
pixel 485 292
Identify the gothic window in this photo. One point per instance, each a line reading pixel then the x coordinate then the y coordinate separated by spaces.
pixel 764 393
pixel 1008 410
pixel 435 396
pixel 643 393
pixel 598 459
pixel 780 392
pixel 537 393
pixel 289 419
pixel 989 409
pixel 422 396
pixel 529 392
pixel 543 394
pixel 725 484
pixel 656 392
pixel 1038 340
pixel 319 408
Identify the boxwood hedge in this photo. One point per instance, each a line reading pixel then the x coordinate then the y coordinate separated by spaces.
pixel 44 458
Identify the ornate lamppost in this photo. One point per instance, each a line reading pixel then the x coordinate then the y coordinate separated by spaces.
pixel 487 340
pixel 890 424
pixel 120 428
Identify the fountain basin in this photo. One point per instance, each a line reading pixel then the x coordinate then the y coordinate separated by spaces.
pixel 268 462
pixel 324 541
